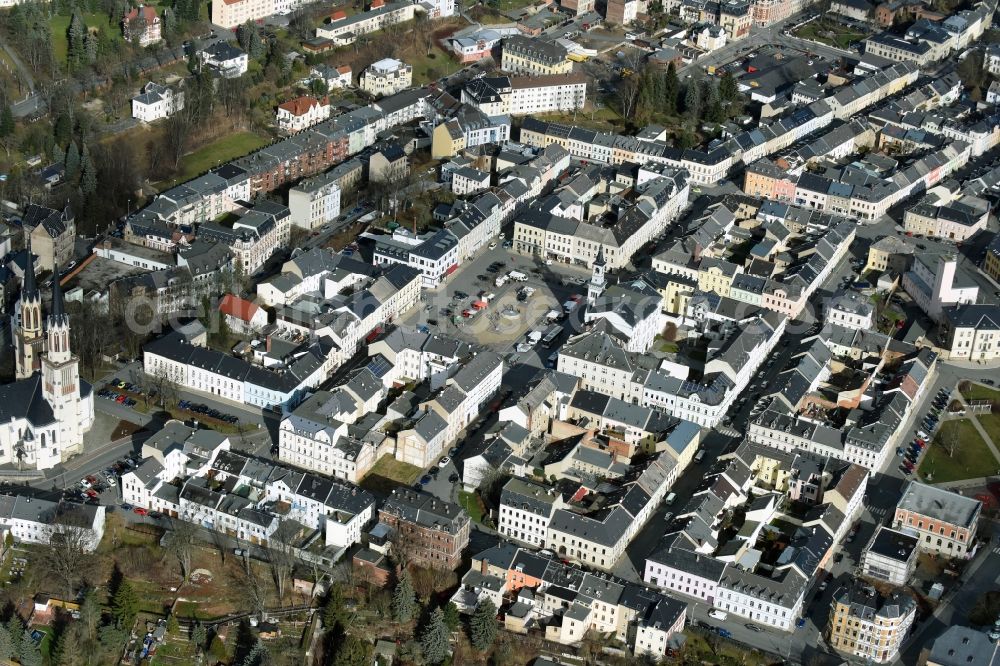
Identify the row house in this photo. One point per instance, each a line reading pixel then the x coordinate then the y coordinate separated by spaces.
pixel 261 231
pixel 538 591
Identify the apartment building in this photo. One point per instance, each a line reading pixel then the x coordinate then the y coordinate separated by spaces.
pixel 890 556
pixel 315 201
pixel 867 624
pixel 944 522
pixel 850 309
pixel 228 61
pixel 971 332
pixel 533 57
pixel 467 128
pixel 257 234
pixel 991 258
pixel 526 509
pixel 434 253
pixel 955 221
pixel 526 95
pixel 428 531
pixel 234 13
pixel 386 77
pixel 142 25
pixel 696 559
pixel 789 420
pixel 343 29
pixel 890 254
pixel 301 113
pixel 349 316
pixel 622 12
pixel 156 102
pixel 39 521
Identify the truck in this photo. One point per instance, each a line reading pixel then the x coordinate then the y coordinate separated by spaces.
pixel 553 315
pixel 534 337
pixel 569 306
pixel 552 333
pixel 500 281
pixel 517 276
pixel 525 293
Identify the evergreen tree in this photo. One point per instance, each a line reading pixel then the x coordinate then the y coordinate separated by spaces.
pixel 72 162
pixel 112 638
pixel 6 644
pixel 199 636
pixel 125 606
pixel 728 90
pixel 258 655
pixel 67 648
pixel 7 126
pixel 334 612
pixel 353 652
pixel 63 129
pixel 404 600
pixel 217 649
pixel 710 94
pixel 434 643
pixel 715 112
pixel 15 629
pixel 692 100
pixel 90 43
pixel 29 654
pixel 256 49
pixel 173 627
pixel 671 89
pixel 88 176
pixel 75 34
pixel 243 33
pixel 483 625
pixel 451 617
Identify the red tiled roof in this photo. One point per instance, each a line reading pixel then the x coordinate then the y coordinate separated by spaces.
pixel 237 307
pixel 338 15
pixel 301 105
pixel 377 3
pixel 344 69
pixel 148 14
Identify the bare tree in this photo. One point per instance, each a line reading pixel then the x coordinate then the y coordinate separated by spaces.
pixel 281 554
pixel 252 588
pixel 949 440
pixel 181 544
pixel 67 559
pixel 628 92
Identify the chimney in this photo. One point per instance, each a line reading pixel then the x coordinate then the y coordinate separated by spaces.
pixel 484 567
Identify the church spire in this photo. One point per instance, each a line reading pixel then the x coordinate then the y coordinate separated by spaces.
pixel 58 312
pixel 29 286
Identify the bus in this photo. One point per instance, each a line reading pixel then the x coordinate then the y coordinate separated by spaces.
pixel 552 333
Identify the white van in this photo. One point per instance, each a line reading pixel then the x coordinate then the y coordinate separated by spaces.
pixel 671 498
pixel 698 457
pixel 717 614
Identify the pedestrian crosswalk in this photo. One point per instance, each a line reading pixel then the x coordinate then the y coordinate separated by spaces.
pixel 997 550
pixel 878 511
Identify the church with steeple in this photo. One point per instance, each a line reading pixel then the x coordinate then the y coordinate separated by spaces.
pixel 45 412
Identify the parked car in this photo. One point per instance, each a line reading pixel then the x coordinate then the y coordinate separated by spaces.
pixel 140 511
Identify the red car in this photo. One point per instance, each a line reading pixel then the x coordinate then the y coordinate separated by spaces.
pixel 91 493
pixel 91 480
pixel 140 511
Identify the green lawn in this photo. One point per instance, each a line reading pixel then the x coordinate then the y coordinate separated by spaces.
pixel 972 458
pixel 991 424
pixel 980 392
pixel 60 25
pixel 432 66
pixel 388 473
pixel 472 505
pixel 218 152
pixel 830 32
